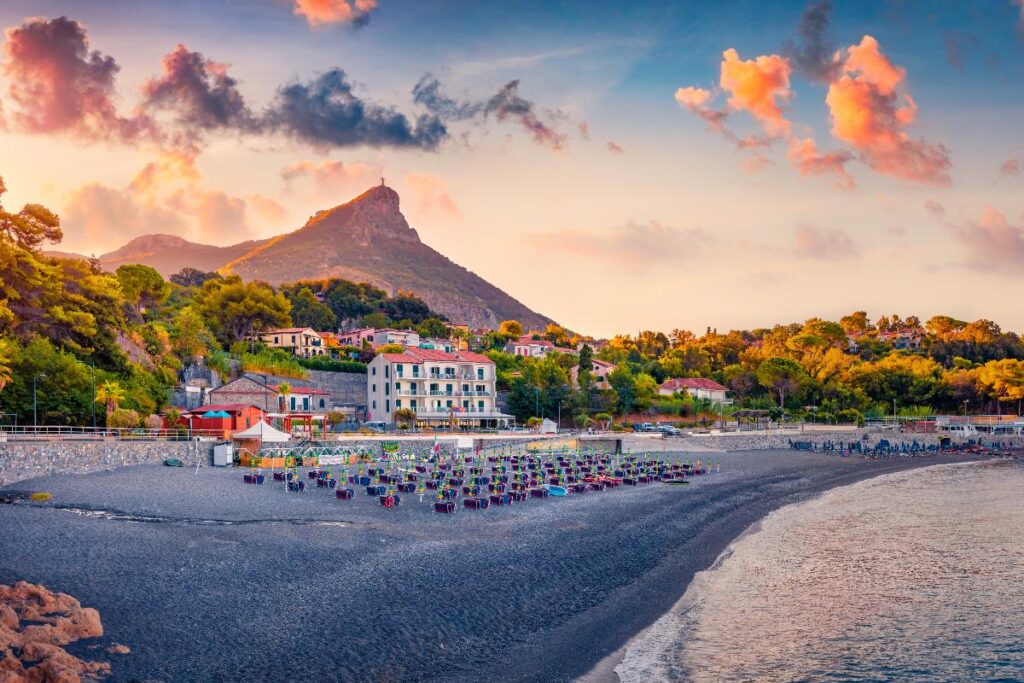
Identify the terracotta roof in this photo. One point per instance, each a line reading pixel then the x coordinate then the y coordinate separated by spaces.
pixel 692 383
pixel 418 355
pixel 289 330
pixel 527 340
pixel 226 407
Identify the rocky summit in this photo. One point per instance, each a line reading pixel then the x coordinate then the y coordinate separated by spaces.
pixel 365 240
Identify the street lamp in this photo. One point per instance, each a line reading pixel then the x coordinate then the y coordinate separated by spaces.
pixel 35 381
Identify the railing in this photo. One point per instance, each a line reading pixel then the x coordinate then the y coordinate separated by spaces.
pixel 70 433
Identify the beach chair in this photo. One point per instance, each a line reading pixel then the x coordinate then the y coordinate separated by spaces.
pixel 446 507
pixel 344 494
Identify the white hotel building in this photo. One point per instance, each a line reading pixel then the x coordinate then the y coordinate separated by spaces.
pixel 439 387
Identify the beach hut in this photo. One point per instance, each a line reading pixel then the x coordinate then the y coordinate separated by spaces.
pixel 548 427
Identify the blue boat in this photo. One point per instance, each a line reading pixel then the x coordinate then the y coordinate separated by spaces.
pixel 556 490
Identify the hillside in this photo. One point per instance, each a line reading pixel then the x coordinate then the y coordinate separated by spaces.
pixel 169 254
pixel 364 240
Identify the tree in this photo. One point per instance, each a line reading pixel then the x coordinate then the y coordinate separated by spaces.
pixel 193 277
pixel 433 327
pixel 855 322
pixel 781 375
pixel 31 226
pixel 511 328
pixel 308 312
pixel 404 416
pixel 6 353
pixel 110 394
pixel 1004 380
pixel 143 286
pixel 190 337
pixel 233 308
pixel 285 390
pixel 586 360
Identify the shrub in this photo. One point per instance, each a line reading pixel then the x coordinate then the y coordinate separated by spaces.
pixel 850 416
pixel 41 497
pixel 123 418
pixel 332 364
pixel 154 422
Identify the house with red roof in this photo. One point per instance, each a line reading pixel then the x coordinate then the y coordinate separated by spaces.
pixel 696 387
pixel 442 388
pixel 300 341
pixel 530 347
pixel 222 419
pixel 599 372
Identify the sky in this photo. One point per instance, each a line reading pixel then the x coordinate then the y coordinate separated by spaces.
pixel 615 166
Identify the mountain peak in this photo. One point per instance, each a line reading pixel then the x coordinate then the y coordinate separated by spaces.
pixel 371 217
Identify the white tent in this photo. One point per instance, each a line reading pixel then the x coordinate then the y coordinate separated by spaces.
pixel 261 430
pixel 548 427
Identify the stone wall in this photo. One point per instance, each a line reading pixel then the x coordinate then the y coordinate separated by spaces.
pixel 770 440
pixel 29 459
pixel 346 388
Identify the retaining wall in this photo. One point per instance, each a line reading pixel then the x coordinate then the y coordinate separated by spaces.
pixel 28 459
pixel 768 440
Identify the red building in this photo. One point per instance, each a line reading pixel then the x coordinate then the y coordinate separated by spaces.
pixel 222 420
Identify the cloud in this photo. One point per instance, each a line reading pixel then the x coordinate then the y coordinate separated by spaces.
pixel 1011 167
pixel 427 92
pixel 59 85
pixel 814 54
pixel 934 208
pixel 219 217
pixel 804 155
pixel 758 87
pixel 505 105
pixel 826 245
pixel 696 100
pixel 957 45
pixel 614 147
pixel 172 167
pixel 634 245
pixel 319 12
pixel 270 210
pixel 991 243
pixel 508 104
pixel 869 113
pixel 326 113
pixel 331 179
pixel 200 93
pixel 430 196
pixel 95 214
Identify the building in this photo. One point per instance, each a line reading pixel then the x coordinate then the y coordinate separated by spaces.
pixel 304 400
pixel 402 337
pixel 530 347
pixel 245 390
pixel 599 374
pixel 300 341
pixel 696 387
pixel 903 339
pixel 357 337
pixel 223 419
pixel 446 345
pixel 441 388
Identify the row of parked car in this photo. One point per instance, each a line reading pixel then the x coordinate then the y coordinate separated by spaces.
pixel 667 430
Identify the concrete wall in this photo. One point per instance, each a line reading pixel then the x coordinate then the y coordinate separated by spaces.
pixel 25 460
pixel 766 440
pixel 344 387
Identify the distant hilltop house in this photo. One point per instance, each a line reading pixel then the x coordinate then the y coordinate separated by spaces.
pixel 909 338
pixel 440 388
pixel 696 387
pixel 300 341
pixel 599 373
pixel 529 347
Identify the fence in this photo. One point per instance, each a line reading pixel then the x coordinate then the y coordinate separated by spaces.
pixel 60 433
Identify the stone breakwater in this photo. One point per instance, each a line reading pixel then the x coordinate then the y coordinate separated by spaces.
pixel 27 460
pixel 757 441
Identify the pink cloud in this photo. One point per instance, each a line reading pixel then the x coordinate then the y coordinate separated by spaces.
pixel 59 85
pixel 318 12
pixel 614 147
pixel 870 113
pixel 758 86
pixel 827 245
pixel 1011 166
pixel 805 156
pixel 991 243
pixel 331 179
pixel 430 196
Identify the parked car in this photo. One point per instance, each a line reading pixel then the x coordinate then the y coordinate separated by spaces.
pixel 669 430
pixel 376 426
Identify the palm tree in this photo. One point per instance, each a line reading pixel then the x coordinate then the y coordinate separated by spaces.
pixel 109 394
pixel 284 389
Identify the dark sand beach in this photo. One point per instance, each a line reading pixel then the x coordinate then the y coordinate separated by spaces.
pixel 205 578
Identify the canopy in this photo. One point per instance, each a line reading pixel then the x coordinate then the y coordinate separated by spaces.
pixel 216 413
pixel 261 430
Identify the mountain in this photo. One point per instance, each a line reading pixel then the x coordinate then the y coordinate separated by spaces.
pixel 170 253
pixel 364 240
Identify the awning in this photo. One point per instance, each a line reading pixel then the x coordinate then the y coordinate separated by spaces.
pixel 261 430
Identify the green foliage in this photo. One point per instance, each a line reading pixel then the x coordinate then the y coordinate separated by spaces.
pixel 308 312
pixel 273 362
pixel 433 327
pixel 234 310
pixel 142 286
pixel 332 364
pixel 124 418
pixel 31 226
pixel 193 277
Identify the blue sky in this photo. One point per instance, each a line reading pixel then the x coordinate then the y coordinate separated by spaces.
pixel 655 220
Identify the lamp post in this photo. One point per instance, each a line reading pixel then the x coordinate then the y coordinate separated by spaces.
pixel 35 381
pixel 559 416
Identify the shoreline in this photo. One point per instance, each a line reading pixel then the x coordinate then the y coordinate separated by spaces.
pixel 604 671
pixel 540 591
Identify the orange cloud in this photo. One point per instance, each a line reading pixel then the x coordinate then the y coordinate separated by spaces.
pixel 826 245
pixel 331 179
pixel 430 195
pixel 173 167
pixel 317 12
pixel 991 242
pixel 869 112
pixel 268 209
pixel 758 87
pixel 804 155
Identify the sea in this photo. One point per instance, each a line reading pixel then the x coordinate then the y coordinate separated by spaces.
pixel 915 576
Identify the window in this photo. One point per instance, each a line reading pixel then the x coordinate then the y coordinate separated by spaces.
pixel 398 370
pixel 480 406
pixel 293 339
pixel 387 389
pixel 387 407
pixel 465 388
pixel 414 404
pixel 479 373
pixel 415 371
pixel 277 340
pixel 373 387
pixel 387 369
pixel 373 371
pixel 398 403
pixel 323 404
pixel 375 405
pixel 448 389
pixel 293 403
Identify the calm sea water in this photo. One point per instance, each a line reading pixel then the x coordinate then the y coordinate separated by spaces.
pixel 912 576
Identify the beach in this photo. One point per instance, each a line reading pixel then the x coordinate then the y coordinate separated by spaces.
pixel 206 578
